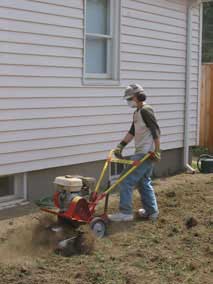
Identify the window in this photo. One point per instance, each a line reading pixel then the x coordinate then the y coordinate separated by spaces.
pixel 12 187
pixel 6 186
pixel 101 40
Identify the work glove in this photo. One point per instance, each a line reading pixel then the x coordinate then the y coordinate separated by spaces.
pixel 155 156
pixel 118 151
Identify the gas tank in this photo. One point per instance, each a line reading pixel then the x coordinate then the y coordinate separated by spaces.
pixel 69 183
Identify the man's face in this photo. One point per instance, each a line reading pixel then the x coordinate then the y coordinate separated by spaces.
pixel 135 99
pixel 133 102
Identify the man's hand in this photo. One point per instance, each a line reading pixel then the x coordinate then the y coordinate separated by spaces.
pixel 155 156
pixel 118 151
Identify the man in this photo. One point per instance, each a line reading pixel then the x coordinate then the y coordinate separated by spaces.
pixel 146 132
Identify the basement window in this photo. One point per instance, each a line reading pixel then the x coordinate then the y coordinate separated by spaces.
pixel 12 187
pixel 6 186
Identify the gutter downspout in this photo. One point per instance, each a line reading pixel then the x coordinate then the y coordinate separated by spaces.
pixel 188 88
pixel 200 72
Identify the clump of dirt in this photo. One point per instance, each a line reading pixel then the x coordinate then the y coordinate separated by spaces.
pixel 191 222
pixel 171 194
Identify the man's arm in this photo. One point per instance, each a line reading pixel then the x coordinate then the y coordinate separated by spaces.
pixel 157 144
pixel 151 123
pixel 130 135
pixel 126 140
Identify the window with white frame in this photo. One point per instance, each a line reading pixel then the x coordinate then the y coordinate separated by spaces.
pixel 12 187
pixel 101 39
pixel 6 186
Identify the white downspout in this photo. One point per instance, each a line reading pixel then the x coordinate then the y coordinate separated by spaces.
pixel 188 88
pixel 200 72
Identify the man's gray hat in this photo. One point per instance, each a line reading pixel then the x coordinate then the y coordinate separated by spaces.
pixel 133 89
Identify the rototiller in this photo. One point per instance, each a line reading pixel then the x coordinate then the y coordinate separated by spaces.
pixel 73 201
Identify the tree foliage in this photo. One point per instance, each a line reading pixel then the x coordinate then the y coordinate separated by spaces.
pixel 207 32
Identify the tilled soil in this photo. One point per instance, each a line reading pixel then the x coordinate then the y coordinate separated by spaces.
pixel 178 248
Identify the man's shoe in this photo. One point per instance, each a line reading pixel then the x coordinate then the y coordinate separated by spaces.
pixel 144 215
pixel 120 217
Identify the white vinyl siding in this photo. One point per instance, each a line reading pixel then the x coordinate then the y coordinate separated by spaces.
pixel 153 53
pixel 36 39
pixel 48 118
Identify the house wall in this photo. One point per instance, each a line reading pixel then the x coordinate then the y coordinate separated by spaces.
pixel 48 118
pixel 40 183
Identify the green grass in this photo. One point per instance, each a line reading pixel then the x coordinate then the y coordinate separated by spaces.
pixel 198 150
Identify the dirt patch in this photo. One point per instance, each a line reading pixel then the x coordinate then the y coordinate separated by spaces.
pixel 23 241
pixel 134 252
pixel 17 244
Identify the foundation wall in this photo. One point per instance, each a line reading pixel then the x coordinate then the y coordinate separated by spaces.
pixel 40 183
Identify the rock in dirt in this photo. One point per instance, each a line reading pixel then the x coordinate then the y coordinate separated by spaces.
pixel 170 194
pixel 2 240
pixel 191 222
pixel 23 270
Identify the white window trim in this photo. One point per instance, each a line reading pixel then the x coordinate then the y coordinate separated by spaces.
pixel 111 78
pixel 20 185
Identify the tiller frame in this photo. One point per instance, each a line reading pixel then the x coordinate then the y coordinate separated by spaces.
pixel 82 211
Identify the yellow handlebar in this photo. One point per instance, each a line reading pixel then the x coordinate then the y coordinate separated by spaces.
pixel 118 161
pixel 110 159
